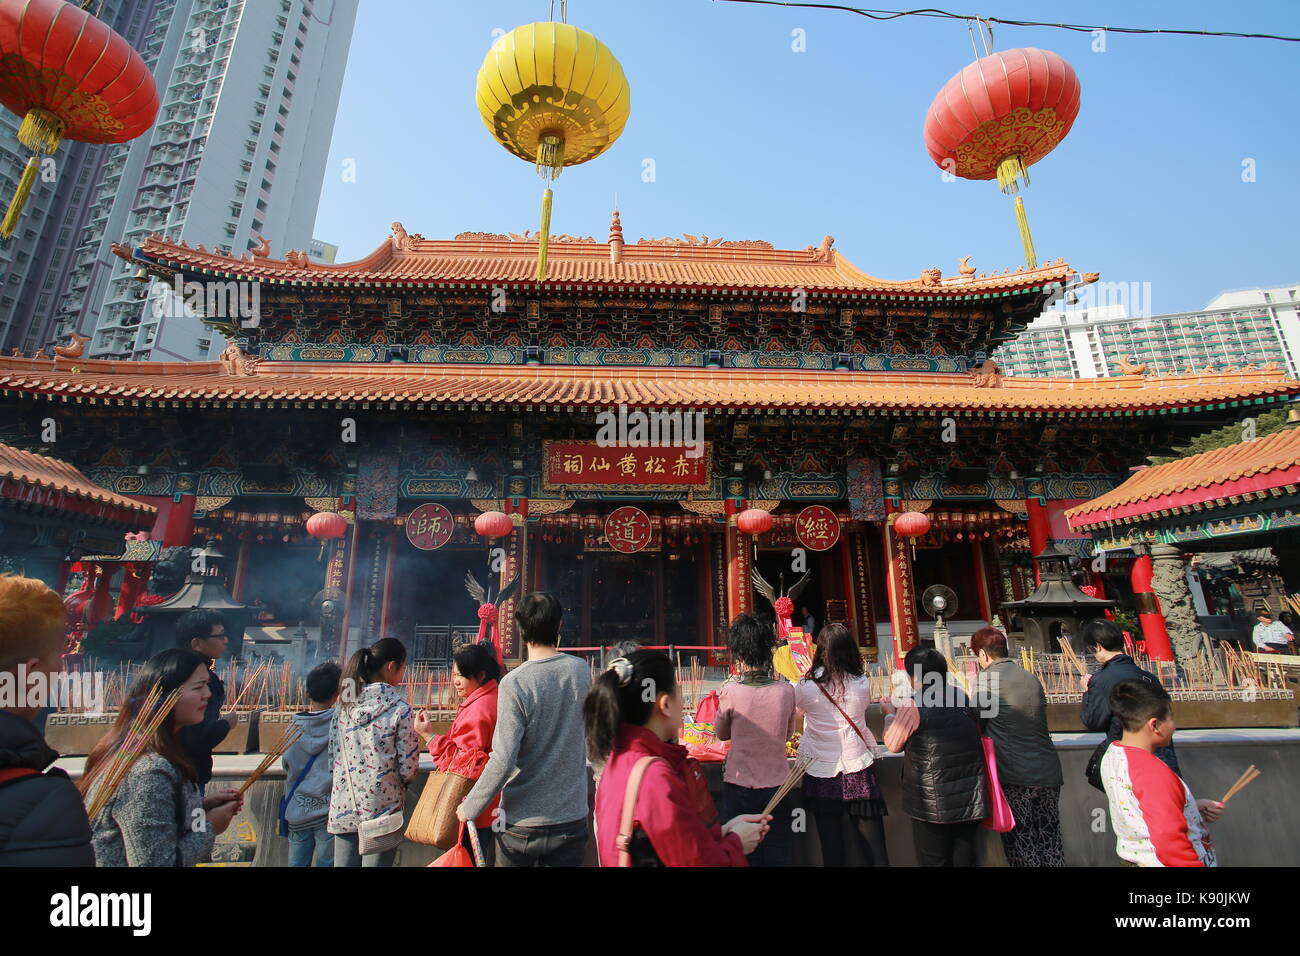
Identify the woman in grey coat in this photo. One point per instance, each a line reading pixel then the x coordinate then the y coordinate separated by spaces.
pixel 1029 770
pixel 158 817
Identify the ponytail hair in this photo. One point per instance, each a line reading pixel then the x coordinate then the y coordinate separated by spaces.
pixel 618 696
pixel 364 666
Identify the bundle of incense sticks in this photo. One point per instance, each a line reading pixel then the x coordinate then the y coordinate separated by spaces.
pixel 250 679
pixel 792 779
pixel 1250 774
pixel 287 740
pixel 1067 649
pixel 153 711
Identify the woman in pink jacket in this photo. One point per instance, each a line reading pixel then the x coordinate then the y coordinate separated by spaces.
pixel 467 744
pixel 671 813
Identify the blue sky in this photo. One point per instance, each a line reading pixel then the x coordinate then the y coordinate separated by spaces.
pixel 752 140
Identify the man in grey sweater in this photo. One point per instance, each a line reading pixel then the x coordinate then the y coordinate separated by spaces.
pixel 538 749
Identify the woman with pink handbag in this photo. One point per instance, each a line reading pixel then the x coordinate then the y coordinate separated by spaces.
pixel 1027 766
pixel 945 788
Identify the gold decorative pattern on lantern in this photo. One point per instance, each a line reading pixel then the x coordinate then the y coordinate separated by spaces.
pixel 1022 133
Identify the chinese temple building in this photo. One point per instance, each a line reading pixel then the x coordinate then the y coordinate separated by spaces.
pixel 1239 506
pixel 431 381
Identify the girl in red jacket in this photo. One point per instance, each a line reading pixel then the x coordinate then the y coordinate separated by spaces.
pixel 633 716
pixel 465 747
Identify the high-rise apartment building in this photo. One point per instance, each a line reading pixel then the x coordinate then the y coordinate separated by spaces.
pixel 1239 328
pixel 249 90
pixel 36 261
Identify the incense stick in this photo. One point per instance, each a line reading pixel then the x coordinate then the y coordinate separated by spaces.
pixel 796 774
pixel 287 740
pixel 139 733
pixel 1246 778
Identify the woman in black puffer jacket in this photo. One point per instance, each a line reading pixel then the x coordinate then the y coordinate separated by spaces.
pixel 945 791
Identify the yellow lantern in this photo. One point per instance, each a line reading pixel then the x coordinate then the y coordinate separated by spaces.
pixel 555 96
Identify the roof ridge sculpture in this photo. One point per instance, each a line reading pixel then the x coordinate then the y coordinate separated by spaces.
pixel 692 261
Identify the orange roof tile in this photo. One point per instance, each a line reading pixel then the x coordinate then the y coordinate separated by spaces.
pixel 645 387
pixel 38 471
pixel 1208 479
pixel 483 257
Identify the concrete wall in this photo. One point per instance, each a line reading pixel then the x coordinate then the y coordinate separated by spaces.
pixel 1260 827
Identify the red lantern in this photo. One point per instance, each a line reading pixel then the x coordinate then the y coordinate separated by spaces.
pixel 1000 115
pixel 68 75
pixel 754 521
pixel 326 524
pixel 493 524
pixel 911 524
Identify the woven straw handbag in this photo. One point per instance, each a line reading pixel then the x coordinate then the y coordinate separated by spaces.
pixel 433 822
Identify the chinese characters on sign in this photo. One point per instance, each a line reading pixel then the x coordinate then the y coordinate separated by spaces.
pixel 817 527
pixel 429 527
pixel 627 529
pixel 587 464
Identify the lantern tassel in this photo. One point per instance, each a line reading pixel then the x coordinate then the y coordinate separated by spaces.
pixel 41 131
pixel 1009 170
pixel 19 200
pixel 1031 257
pixel 544 235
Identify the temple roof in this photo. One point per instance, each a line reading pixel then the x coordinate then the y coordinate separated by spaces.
pixel 689 262
pixel 35 475
pixel 245 379
pixel 1253 469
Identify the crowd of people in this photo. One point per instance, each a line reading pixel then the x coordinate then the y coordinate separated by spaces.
pixel 530 738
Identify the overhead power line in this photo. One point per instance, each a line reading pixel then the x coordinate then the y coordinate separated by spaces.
pixel 973 18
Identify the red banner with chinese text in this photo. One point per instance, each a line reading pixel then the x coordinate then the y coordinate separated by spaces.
pixel 586 464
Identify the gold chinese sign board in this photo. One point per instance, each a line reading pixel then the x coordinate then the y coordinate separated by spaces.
pixel 588 465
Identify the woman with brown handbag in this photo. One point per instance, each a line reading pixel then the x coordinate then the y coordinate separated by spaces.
pixel 465 747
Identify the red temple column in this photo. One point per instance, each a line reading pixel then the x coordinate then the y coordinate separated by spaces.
pixel 902 599
pixel 514 565
pixel 338 577
pixel 241 568
pixel 353 539
pixel 387 601
pixel 179 529
pixel 1039 529
pixel 981 578
pixel 1149 614
pixel 1099 582
pixel 738 563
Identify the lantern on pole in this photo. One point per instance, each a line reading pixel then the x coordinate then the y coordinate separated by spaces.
pixel 69 76
pixel 911 525
pixel 554 96
pixel 325 525
pixel 754 521
pixel 493 524
pixel 999 116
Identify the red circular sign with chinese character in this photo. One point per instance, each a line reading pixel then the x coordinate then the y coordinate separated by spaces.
pixel 628 529
pixel 817 527
pixel 429 527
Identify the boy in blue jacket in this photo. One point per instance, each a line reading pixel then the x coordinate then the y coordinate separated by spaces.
pixel 309 774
